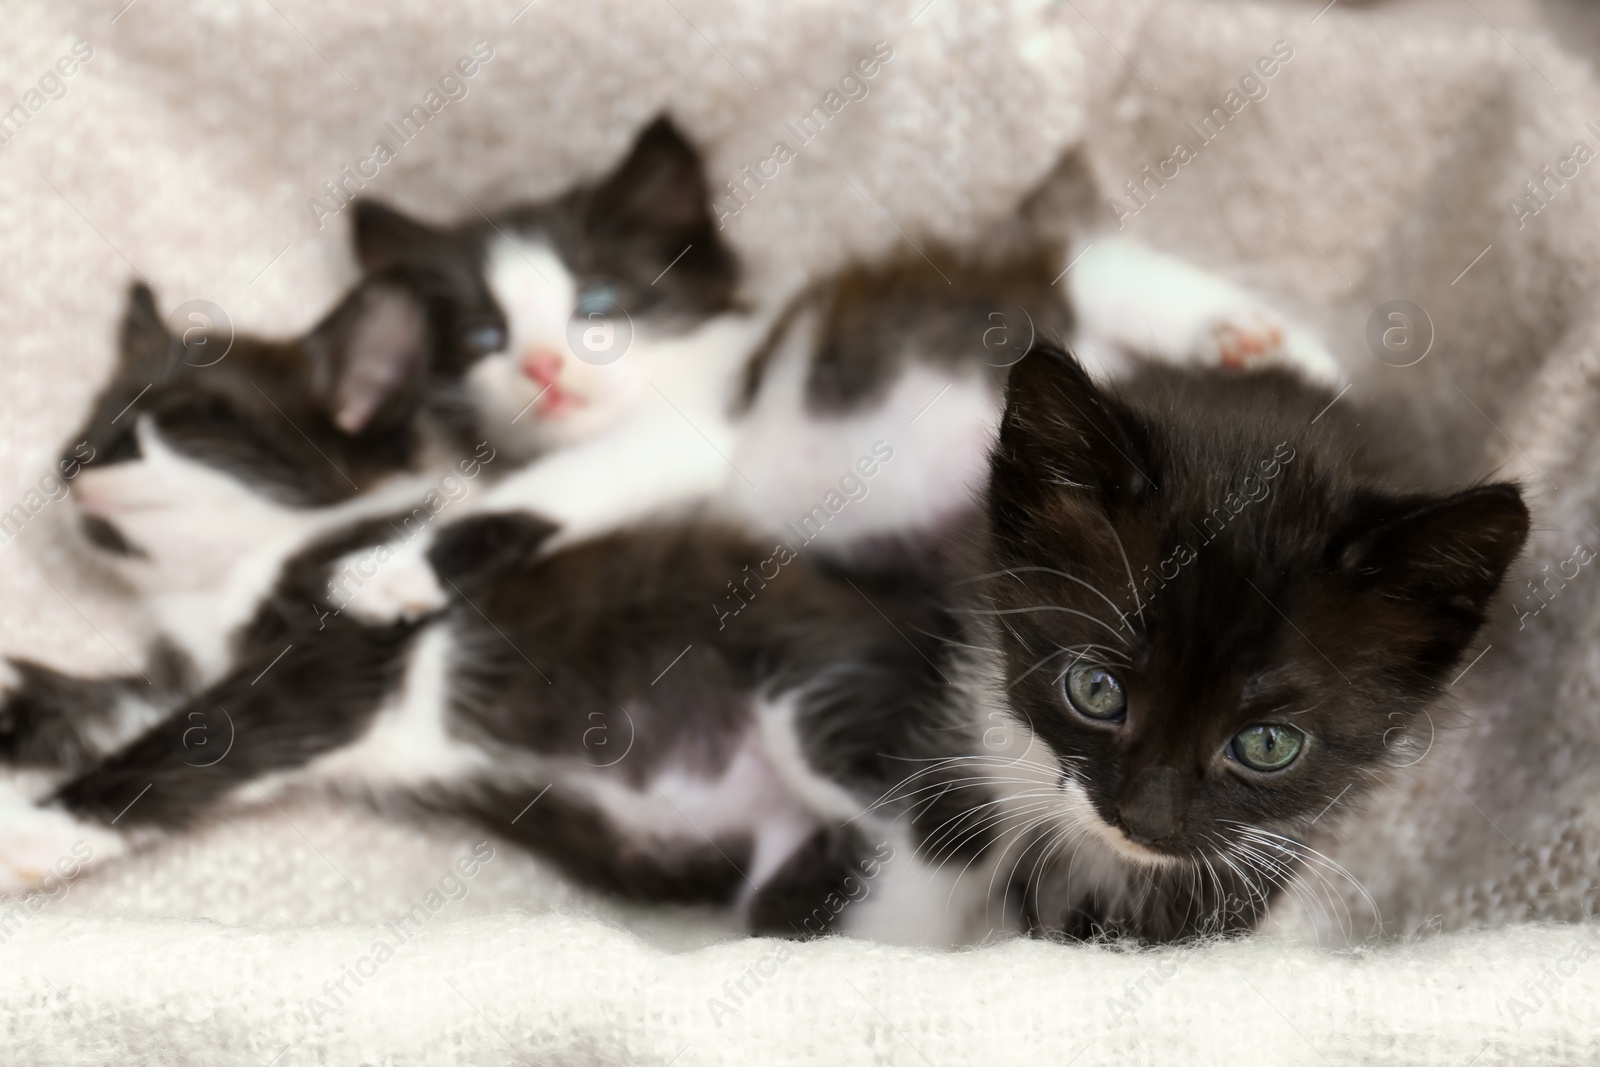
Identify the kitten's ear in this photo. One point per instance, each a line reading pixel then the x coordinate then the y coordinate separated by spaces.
pixel 1062 432
pixel 369 357
pixel 386 238
pixel 660 185
pixel 145 345
pixel 1447 554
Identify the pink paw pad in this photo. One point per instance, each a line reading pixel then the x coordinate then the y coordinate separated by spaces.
pixel 1244 344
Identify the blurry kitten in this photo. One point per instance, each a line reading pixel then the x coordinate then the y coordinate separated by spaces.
pixel 1197 604
pixel 207 473
pixel 598 299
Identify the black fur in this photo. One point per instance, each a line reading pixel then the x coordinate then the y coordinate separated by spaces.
pixel 305 681
pixel 55 721
pixel 1235 551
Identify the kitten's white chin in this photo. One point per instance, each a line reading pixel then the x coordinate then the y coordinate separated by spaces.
pixel 1131 850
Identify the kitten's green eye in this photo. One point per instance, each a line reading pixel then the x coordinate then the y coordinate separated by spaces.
pixel 599 299
pixel 1268 747
pixel 1096 693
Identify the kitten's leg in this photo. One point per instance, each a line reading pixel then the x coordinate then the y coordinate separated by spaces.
pixel 582 842
pixel 1129 298
pixel 807 895
pixel 58 722
pixel 655 466
pixel 273 713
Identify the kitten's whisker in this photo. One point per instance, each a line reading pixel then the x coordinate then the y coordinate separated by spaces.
pixel 1312 860
pixel 1294 871
pixel 1051 845
pixel 966 781
pixel 1049 851
pixel 932 842
pixel 1280 875
pixel 1222 892
pixel 1118 655
pixel 997 763
pixel 1250 887
pixel 1042 660
pixel 893 793
pixel 1004 845
pixel 1292 881
pixel 1128 567
pixel 975 819
pixel 1312 855
pixel 1000 612
pixel 1014 571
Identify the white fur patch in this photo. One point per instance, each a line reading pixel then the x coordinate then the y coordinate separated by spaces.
pixel 130 718
pixel 386 582
pixel 910 902
pixel 212 546
pixel 409 742
pixel 747 799
pixel 896 896
pixel 935 427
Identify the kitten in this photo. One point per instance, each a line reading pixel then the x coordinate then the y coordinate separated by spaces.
pixel 604 296
pixel 204 472
pixel 1196 604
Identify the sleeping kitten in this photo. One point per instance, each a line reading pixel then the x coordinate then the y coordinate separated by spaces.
pixel 1197 602
pixel 206 473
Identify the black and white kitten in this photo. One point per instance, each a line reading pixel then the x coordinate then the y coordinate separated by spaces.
pixel 614 296
pixel 202 472
pixel 1197 603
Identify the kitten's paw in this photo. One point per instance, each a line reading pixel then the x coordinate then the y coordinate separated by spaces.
pixel 1247 340
pixel 42 847
pixel 384 584
pixel 1243 342
pixel 480 547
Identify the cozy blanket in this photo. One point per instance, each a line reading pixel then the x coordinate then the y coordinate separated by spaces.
pixel 1352 165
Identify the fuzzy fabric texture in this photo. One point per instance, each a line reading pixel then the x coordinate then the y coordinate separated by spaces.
pixel 1379 163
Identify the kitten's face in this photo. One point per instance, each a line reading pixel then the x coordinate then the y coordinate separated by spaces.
pixel 1215 619
pixel 573 303
pixel 185 457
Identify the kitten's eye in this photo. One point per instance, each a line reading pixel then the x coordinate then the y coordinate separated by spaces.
pixel 1096 693
pixel 1268 747
pixel 486 338
pixel 597 299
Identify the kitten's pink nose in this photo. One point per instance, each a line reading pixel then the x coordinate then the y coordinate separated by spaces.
pixel 542 365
